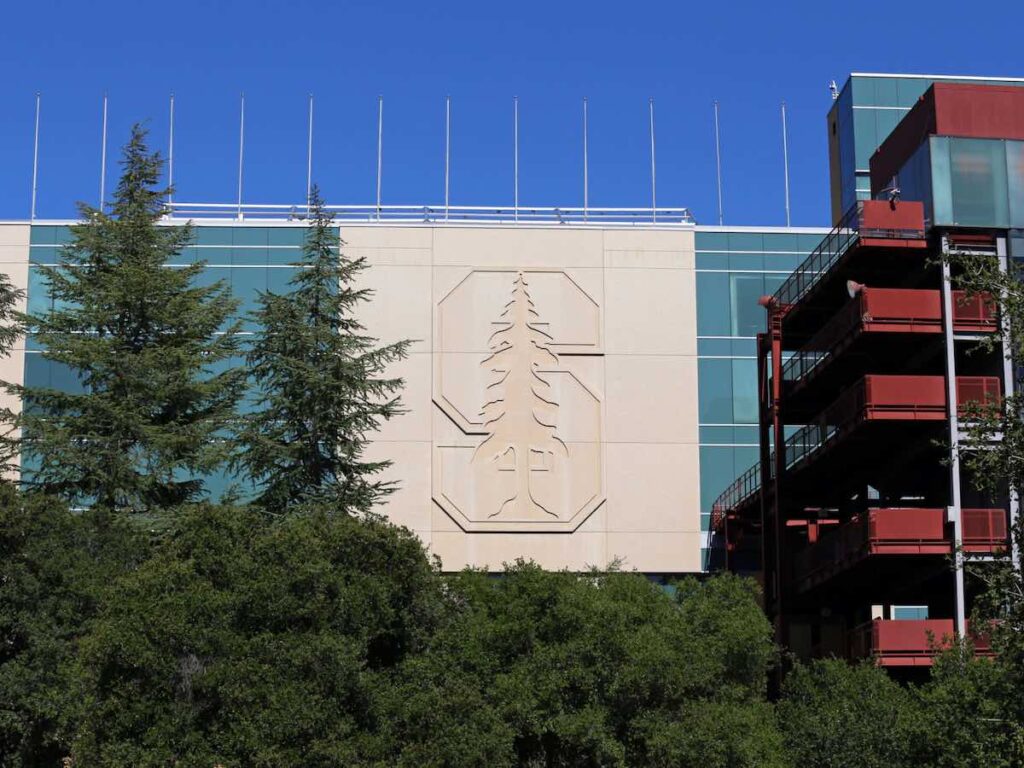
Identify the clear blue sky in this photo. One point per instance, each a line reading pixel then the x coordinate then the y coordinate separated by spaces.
pixel 748 55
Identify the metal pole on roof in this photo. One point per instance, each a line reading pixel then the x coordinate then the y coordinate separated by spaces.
pixel 654 182
pixel 309 156
pixel 586 168
pixel 447 149
pixel 515 158
pixel 170 157
pixel 103 155
pixel 35 158
pixel 785 159
pixel 718 165
pixel 241 153
pixel 380 147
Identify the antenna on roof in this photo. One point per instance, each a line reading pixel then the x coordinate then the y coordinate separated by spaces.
pixel 103 154
pixel 833 89
pixel 718 166
pixel 35 157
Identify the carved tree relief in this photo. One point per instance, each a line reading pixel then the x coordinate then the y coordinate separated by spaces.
pixel 520 412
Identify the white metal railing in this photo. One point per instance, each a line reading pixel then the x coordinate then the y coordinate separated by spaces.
pixel 461 214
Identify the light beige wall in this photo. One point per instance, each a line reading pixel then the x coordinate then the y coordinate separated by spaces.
pixel 573 346
pixel 14 240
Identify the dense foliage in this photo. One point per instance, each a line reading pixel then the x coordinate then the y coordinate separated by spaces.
pixel 143 342
pixel 321 383
pixel 302 630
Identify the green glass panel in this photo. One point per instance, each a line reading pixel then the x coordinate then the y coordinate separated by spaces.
pixel 42 235
pixel 714 347
pixel 213 235
pixel 286 235
pixel 865 137
pixel 712 241
pixel 713 304
pixel 747 315
pixel 780 242
pixel 284 256
pixel 717 471
pixel 746 241
pixel 746 262
pixel 715 391
pixel 249 235
pixel 716 435
pixel 863 90
pixel 1015 181
pixel 978 179
pixel 886 91
pixel 744 391
pixel 911 89
pixel 942 191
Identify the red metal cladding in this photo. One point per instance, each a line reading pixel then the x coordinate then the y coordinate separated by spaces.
pixel 901 310
pixel 901 643
pixel 898 526
pixel 950 109
pixel 910 398
pixel 974 313
pixel 984 530
pixel 974 391
pixel 888 224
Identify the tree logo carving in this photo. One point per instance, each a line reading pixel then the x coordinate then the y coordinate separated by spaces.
pixel 521 448
pixel 520 416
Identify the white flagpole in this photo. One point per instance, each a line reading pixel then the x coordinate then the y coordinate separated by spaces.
pixel 170 157
pixel 718 166
pixel 785 159
pixel 654 182
pixel 586 169
pixel 515 158
pixel 380 148
pixel 241 153
pixel 103 155
pixel 309 156
pixel 447 150
pixel 35 157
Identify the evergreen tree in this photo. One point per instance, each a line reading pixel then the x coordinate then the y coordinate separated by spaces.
pixel 320 384
pixel 10 330
pixel 144 342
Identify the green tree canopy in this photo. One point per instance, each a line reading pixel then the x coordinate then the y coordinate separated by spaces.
pixel 321 384
pixel 144 342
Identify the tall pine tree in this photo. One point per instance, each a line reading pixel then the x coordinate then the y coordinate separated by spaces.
pixel 321 384
pixel 144 342
pixel 11 329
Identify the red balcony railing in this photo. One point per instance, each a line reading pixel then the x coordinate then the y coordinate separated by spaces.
pixel 886 531
pixel 977 391
pixel 868 219
pixel 974 313
pixel 984 530
pixel 900 643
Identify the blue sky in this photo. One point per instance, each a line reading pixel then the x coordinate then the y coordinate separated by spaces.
pixel 749 56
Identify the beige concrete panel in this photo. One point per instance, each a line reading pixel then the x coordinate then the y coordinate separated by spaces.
pixel 382 236
pixel 650 311
pixel 653 487
pixel 409 246
pixel 660 552
pixel 414 424
pixel 650 249
pixel 410 505
pixel 638 239
pixel 518 247
pixel 400 307
pixel 578 551
pixel 651 399
pixel 15 234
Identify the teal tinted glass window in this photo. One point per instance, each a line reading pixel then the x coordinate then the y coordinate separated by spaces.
pixel 713 304
pixel 715 390
pixel 886 91
pixel 865 134
pixel 249 235
pixel 747 315
pixel 978 180
pixel 942 191
pixel 744 391
pixel 214 235
pixel 909 612
pixel 1015 181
